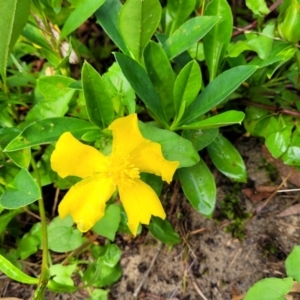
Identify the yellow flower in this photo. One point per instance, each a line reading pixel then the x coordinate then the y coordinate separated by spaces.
pixel 102 175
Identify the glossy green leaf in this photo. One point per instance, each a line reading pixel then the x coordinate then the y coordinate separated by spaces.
pixel 292 155
pixel 62 274
pixel 107 16
pixel 179 11
pixel 138 21
pixel 217 91
pixel 289 27
pixel 13 17
pixel 292 263
pixel 109 224
pixel 174 147
pixel 112 255
pixel 99 104
pixel 119 90
pixel 227 159
pixel 199 187
pixel 187 34
pixel 80 14
pixel 15 273
pixel 163 231
pixel 187 85
pixel 34 35
pixel 201 138
pixel 62 237
pixel 53 96
pixel 258 7
pixel 280 53
pixel 141 83
pixel 229 117
pixel 22 191
pixel 48 131
pixel 217 39
pixel 262 43
pixel 30 241
pixel 20 157
pixel 60 288
pixel 270 288
pixel 162 76
pixel 278 139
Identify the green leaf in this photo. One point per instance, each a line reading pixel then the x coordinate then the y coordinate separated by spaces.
pixel 187 34
pixel 292 263
pixel 119 89
pixel 277 139
pixel 270 288
pixel 201 138
pixel 99 104
pixel 20 157
pixel 141 83
pixel 179 11
pixel 187 85
pixel 174 147
pixel 13 17
pixel 138 21
pixel 98 294
pixel 107 16
pixel 199 187
pixel 109 224
pixel 48 131
pixel 162 76
pixel 216 41
pixel 292 155
pixel 80 14
pixel 14 273
pixel 22 191
pixel 227 159
pixel 258 7
pixel 30 242
pixel 62 274
pixel 111 256
pixel 62 237
pixel 229 117
pixel 262 43
pixel 34 35
pixel 163 231
pixel 217 91
pixel 53 95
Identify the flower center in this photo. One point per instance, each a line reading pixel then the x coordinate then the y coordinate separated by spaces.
pixel 122 170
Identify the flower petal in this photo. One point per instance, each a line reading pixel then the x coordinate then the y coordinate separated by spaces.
pixel 85 201
pixel 149 158
pixel 72 157
pixel 140 202
pixel 126 134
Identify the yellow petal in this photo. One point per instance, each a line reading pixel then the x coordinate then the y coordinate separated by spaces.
pixel 85 201
pixel 126 134
pixel 140 202
pixel 72 157
pixel 145 155
pixel 149 158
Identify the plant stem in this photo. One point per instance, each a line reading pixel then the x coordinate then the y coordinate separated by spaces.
pixel 44 270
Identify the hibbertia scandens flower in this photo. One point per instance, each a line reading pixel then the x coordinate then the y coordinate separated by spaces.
pixel 101 175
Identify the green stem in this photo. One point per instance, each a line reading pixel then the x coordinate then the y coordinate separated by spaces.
pixel 44 270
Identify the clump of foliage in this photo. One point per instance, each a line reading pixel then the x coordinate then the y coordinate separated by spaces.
pixel 180 68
